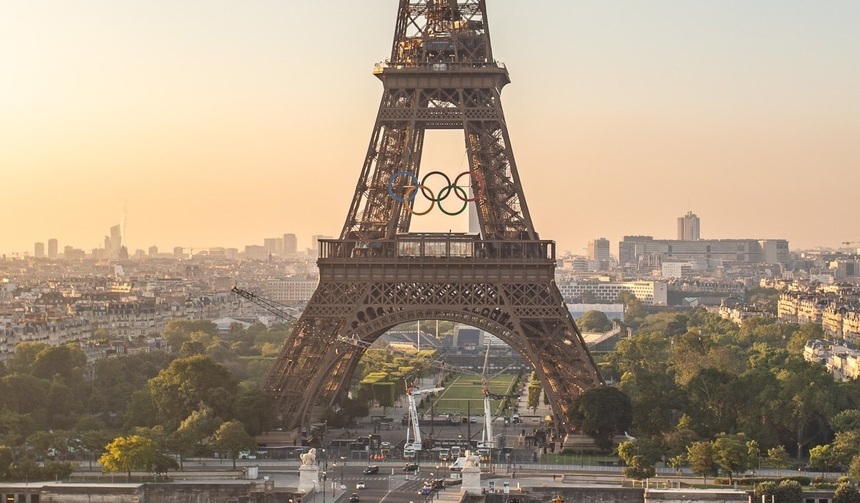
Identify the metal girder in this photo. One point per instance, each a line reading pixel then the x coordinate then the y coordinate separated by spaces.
pixel 529 316
pixel 441 75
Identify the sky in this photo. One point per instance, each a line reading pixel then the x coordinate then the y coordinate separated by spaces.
pixel 206 123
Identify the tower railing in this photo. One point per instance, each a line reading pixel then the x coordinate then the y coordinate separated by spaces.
pixel 440 66
pixel 436 246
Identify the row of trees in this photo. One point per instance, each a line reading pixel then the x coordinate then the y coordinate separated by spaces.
pixel 695 389
pixel 203 397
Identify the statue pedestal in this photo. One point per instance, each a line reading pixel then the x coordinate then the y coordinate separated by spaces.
pixel 471 480
pixel 309 476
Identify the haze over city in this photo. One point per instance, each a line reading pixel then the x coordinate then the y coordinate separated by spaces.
pixel 218 123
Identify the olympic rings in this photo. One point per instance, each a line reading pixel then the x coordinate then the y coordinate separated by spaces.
pixel 413 184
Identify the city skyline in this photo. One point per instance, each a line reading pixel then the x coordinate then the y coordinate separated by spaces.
pixel 215 124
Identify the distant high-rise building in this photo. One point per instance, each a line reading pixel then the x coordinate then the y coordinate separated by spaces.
pixel 178 253
pixel 153 251
pixel 274 245
pixel 598 249
pixel 256 252
pixel 39 251
pixel 52 249
pixel 704 253
pixel 115 241
pixel 688 227
pixel 291 245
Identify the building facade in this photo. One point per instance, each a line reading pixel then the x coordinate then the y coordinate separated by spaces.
pixel 707 253
pixel 688 227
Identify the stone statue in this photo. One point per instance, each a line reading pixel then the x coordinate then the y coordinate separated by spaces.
pixel 309 458
pixel 472 460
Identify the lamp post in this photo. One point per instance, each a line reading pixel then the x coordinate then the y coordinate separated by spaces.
pixel 342 464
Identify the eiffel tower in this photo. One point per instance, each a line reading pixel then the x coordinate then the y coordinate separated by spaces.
pixel 441 75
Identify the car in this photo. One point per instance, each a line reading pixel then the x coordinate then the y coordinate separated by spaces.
pixel 410 467
pixel 370 470
pixel 425 491
pixel 360 484
pixel 354 497
pixel 385 445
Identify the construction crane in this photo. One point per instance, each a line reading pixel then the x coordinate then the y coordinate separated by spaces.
pixel 488 441
pixel 487 435
pixel 411 393
pixel 276 308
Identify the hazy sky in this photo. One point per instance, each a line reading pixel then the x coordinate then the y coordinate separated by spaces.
pixel 219 123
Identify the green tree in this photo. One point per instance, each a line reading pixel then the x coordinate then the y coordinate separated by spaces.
pixel 93 442
pixel 764 491
pixel 186 384
pixel 639 469
pixel 594 321
pixel 253 407
pixel 191 435
pixel 714 397
pixel 807 399
pixel 677 462
pixel 231 438
pixel 854 469
pixel 25 354
pixel 639 456
pixel 754 454
pixel 6 459
pixel 179 331
pixel 789 491
pixel 845 447
pixel 68 361
pixel 534 391
pixel 778 457
pixel 820 458
pixel 129 453
pixel 25 394
pixel 846 420
pixel 846 492
pixel 677 440
pixel 634 311
pixel 601 413
pixel 700 456
pixel 15 428
pixel 731 454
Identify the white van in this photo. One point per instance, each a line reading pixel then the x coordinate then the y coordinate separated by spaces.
pixel 458 464
pixel 444 454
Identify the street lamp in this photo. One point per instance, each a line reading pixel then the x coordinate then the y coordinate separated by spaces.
pixel 342 464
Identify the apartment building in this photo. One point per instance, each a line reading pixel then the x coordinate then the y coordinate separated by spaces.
pixel 652 293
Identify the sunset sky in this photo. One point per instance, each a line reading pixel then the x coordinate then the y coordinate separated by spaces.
pixel 219 123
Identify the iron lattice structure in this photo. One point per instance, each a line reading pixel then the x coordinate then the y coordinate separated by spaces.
pixel 441 75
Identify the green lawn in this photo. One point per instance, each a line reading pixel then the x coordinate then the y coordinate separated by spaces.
pixel 463 394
